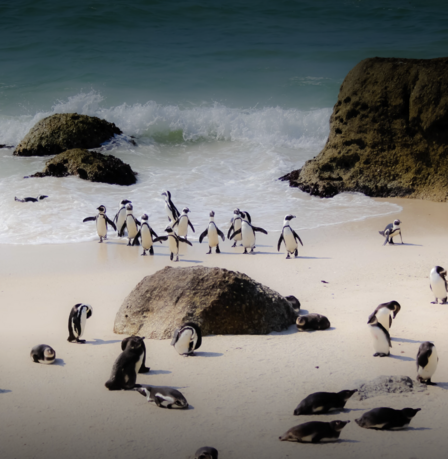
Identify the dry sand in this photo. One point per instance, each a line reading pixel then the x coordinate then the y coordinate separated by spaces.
pixel 242 389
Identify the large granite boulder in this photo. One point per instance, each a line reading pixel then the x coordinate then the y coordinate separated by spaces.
pixel 65 131
pixel 89 165
pixel 219 301
pixel 388 133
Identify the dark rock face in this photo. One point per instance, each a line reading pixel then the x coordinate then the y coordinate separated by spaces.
pixel 388 133
pixel 218 300
pixel 388 385
pixel 89 165
pixel 61 132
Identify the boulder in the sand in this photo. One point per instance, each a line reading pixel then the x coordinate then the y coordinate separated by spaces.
pixel 388 385
pixel 219 301
pixel 65 131
pixel 89 165
pixel 388 133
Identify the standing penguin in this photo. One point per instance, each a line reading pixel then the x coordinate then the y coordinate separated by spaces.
pixel 212 232
pixel 146 234
pixel 391 230
pixel 182 223
pixel 438 285
pixel 101 222
pixel 383 313
pixel 289 237
pixel 235 225
pixel 427 360
pixel 248 232
pixel 173 242
pixel 120 218
pixel 187 338
pixel 77 322
pixel 381 338
pixel 170 208
pixel 132 224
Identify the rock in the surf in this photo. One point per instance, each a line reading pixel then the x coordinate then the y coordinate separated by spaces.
pixel 219 301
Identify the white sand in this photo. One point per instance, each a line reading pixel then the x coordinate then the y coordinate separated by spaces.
pixel 242 389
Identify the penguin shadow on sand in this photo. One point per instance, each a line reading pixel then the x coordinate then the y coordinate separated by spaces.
pixel 5 391
pixel 402 357
pixel 59 362
pixel 405 340
pixel 291 330
pixel 206 354
pixel 152 372
pixel 442 385
pixel 98 341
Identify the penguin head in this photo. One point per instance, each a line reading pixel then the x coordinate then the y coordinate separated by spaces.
pixel 129 207
pixel 185 210
pixel 346 394
pixel 338 425
pixel 301 321
pixel 410 412
pixel 289 217
pixel 145 217
pixel 236 211
pixel 49 353
pixel 212 214
pixel 42 197
pixel 441 271
pixel 102 209
pixel 124 202
pixel 167 195
pixel 397 222
pixel 395 307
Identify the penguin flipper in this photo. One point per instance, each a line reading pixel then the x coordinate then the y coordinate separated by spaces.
pixel 136 239
pixel 296 237
pixel 160 238
pixel 191 226
pixel 234 234
pixel 230 230
pixel 89 219
pixel 280 240
pixel 111 223
pixel 175 337
pixel 221 234
pixel 186 241
pixel 175 223
pixel 121 232
pixel 153 233
pixel 203 234
pixel 423 357
pixel 260 230
pixel 249 219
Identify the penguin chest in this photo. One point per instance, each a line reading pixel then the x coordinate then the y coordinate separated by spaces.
pixel 139 363
pixel 131 226
pixel 236 227
pixel 121 218
pixel 172 244
pixel 437 285
pixel 183 226
pixel 182 345
pixel 101 227
pixel 429 370
pixel 146 237
pixel 213 240
pixel 290 242
pixel 169 212
pixel 248 236
pixel 82 321
pixel 380 342
pixel 383 316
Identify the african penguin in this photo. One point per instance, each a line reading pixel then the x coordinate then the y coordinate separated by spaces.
pixel 427 360
pixel 39 198
pixel 381 338
pixel 146 234
pixel 42 353
pixel 131 224
pixel 187 338
pixel 315 432
pixel 212 233
pixel 139 341
pixel 289 237
pixel 161 394
pixel 182 223
pixel 323 402
pixel 391 230
pixel 387 418
pixel 120 218
pixel 170 208
pixel 295 303
pixel 173 242
pixel 438 285
pixel 206 452
pixel 101 222
pixel 384 313
pixel 248 233
pixel 235 225
pixel 77 322
pixel 312 321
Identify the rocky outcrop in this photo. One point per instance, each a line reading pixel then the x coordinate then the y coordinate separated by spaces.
pixel 61 132
pixel 218 300
pixel 388 133
pixel 89 165
pixel 388 385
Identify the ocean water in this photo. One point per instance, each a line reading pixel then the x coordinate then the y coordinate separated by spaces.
pixel 221 98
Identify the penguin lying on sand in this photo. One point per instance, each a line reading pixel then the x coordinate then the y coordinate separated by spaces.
pixel 187 338
pixel 387 418
pixel 173 242
pixel 289 237
pixel 160 395
pixel 315 432
pixel 381 337
pixel 39 198
pixel 77 322
pixel 312 322
pixel 383 313
pixel 323 402
pixel 42 353
pixel 427 360
pixel 101 222
pixel 212 233
pixel 391 230
pixel 438 285
pixel 137 339
pixel 206 452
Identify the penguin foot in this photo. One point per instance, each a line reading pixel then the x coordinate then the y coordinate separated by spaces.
pixel 100 241
pixel 380 354
pixel 217 249
pixel 287 256
pixel 435 302
pixel 252 250
pixel 245 251
pixel 209 252
pixel 144 370
pixel 144 253
pixel 81 341
pixel 234 244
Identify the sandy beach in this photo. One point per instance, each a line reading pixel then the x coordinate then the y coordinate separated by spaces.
pixel 242 390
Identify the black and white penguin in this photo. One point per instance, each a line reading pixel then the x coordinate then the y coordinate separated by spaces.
pixel 77 322
pixel 131 224
pixel 289 237
pixel 206 452
pixel 312 321
pixel 42 353
pixel 381 338
pixel 173 242
pixel 126 366
pixel 170 208
pixel 391 230
pixel 137 339
pixel 438 285
pixel 427 360
pixel 120 218
pixel 101 222
pixel 387 418
pixel 295 303
pixel 384 313
pixel 212 233
pixel 248 232
pixel 187 338
pixel 146 234
pixel 235 225
pixel 323 402
pixel 161 394
pixel 315 432
pixel 182 223
pixel 39 198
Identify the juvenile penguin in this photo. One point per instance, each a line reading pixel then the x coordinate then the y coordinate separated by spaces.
pixel 101 222
pixel 323 402
pixel 137 340
pixel 438 285
pixel 187 338
pixel 131 224
pixel 391 230
pixel 182 223
pixel 206 452
pixel 315 432
pixel 170 208
pixel 387 418
pixel 289 237
pixel 384 313
pixel 427 360
pixel 248 233
pixel 381 338
pixel 39 198
pixel 235 225
pixel 161 394
pixel 126 366
pixel 173 242
pixel 312 322
pixel 77 322
pixel 146 234
pixel 212 233
pixel 120 218
pixel 42 353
